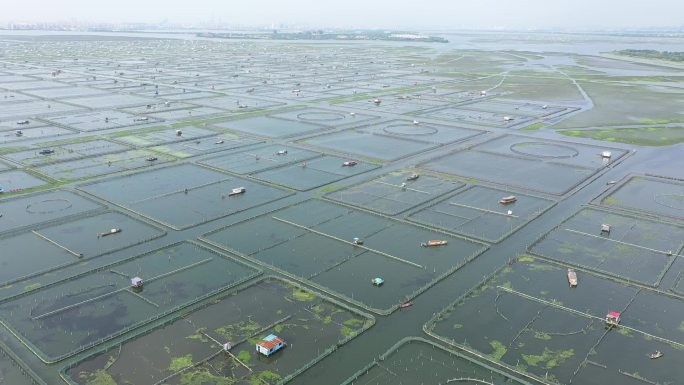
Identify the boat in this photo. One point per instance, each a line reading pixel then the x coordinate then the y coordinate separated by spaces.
pixel 606 154
pixel 219 142
pixel 433 242
pixel 377 101
pixel 237 191
pixel 110 232
pixel 655 355
pixel 406 304
pixel 281 152
pixel 357 241
pixel 151 159
pixel 508 200
pixel 377 281
pixel 22 122
pixel 349 163
pixel 612 182
pixel 46 151
pixel 413 177
pixel 572 277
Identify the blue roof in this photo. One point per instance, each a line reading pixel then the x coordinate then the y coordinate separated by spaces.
pixel 270 337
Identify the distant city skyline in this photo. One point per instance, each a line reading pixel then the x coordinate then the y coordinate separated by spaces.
pixel 425 14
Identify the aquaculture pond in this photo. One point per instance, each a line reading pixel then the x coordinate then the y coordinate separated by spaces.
pixel 260 159
pixel 479 212
pixel 14 181
pixel 98 120
pixel 396 192
pixel 314 173
pixel 190 350
pixel 424 132
pixel 314 241
pixel 59 152
pixel 73 315
pixel 630 247
pixel 271 127
pixel 219 142
pixel 29 210
pixel 162 136
pixel 656 196
pixel 203 195
pixel 527 318
pixel 509 160
pixel 418 361
pixel 80 169
pixel 325 117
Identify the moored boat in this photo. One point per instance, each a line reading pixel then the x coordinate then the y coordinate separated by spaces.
pixel 237 191
pixel 572 277
pixel 434 242
pixel 110 232
pixel 508 200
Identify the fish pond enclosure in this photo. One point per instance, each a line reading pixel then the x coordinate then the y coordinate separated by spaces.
pixel 200 197
pixel 528 319
pixel 183 209
pixel 190 350
pixel 635 248
pixel 287 239
pixel 419 361
pixel 69 317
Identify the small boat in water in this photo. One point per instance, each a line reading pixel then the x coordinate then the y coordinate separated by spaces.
pixel 572 277
pixel 655 355
pixel 237 191
pixel 406 304
pixel 612 182
pixel 508 200
pixel 349 163
pixel 413 177
pixel 110 232
pixel 433 242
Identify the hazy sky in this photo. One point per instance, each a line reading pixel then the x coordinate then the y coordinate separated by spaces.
pixel 420 14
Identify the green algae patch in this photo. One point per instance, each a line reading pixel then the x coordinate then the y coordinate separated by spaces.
pixel 99 377
pixel 301 295
pixel 180 363
pixel 499 350
pixel 641 136
pixel 549 359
